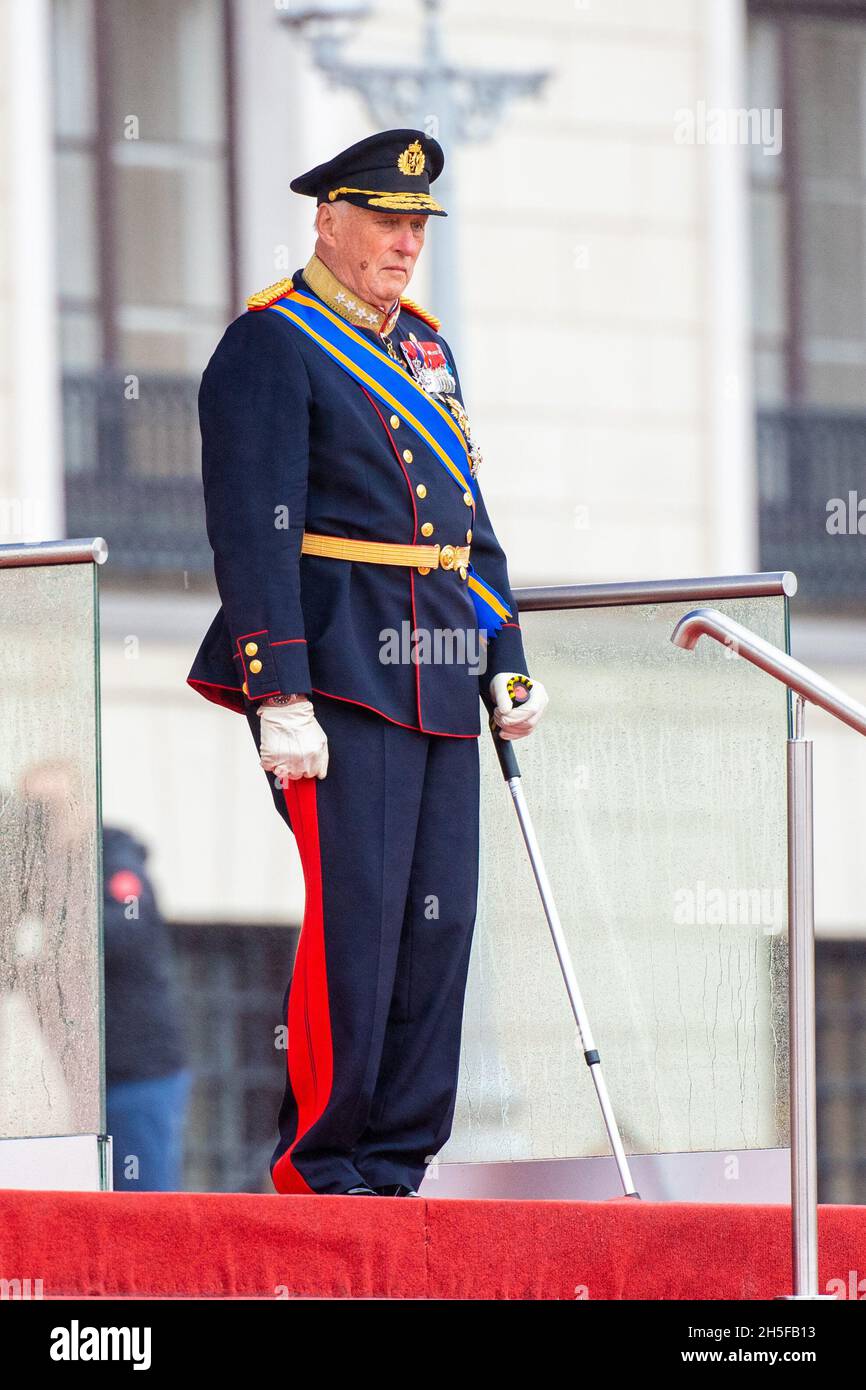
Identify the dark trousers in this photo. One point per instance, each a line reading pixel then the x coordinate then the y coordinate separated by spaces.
pixel 388 841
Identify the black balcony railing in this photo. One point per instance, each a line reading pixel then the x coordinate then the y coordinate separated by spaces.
pixel 133 475
pixel 231 981
pixel 812 478
pixel 840 988
pixel 133 469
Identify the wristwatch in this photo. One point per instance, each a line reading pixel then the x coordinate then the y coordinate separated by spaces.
pixel 284 699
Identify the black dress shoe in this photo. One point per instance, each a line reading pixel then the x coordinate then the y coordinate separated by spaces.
pixel 362 1191
pixel 396 1189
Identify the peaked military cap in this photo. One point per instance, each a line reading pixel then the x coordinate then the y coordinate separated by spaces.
pixel 390 172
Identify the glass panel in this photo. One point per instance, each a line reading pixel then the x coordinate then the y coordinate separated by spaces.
pixel 184 351
pixel 769 251
pixel 828 75
pixel 656 785
pixel 77 260
pixel 81 349
pixel 837 385
pixel 172 236
pixel 765 86
pixel 168 57
pixel 833 291
pixel 829 70
pixel 74 93
pixel 168 98
pixel 50 855
pixel 769 258
pixel 770 384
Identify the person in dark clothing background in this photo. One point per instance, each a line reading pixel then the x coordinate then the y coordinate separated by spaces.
pixel 148 1078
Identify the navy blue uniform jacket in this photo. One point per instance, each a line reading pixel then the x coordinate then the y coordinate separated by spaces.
pixel 291 442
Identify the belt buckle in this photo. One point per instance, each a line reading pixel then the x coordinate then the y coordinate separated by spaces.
pixel 447 557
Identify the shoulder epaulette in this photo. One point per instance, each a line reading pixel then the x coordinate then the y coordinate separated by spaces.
pixel 423 314
pixel 264 298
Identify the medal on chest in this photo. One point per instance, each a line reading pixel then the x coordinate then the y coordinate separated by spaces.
pixel 429 366
pixel 459 413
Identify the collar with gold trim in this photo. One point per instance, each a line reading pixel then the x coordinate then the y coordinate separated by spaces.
pixel 335 294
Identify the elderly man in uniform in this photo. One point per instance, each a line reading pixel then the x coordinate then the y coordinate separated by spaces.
pixel 356 634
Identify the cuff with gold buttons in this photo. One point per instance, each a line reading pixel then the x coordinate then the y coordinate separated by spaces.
pixel 257 662
pixel 272 667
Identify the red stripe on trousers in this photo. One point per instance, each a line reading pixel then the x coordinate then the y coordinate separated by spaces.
pixel 310 1058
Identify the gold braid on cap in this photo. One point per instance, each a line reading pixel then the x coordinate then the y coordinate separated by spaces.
pixel 404 201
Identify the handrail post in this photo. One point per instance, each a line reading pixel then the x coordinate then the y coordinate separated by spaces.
pixel 806 685
pixel 801 1012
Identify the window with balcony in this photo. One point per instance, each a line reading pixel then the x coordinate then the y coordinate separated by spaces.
pixel 809 295
pixel 146 255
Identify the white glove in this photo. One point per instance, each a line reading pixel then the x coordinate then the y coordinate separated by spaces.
pixel 516 721
pixel 293 743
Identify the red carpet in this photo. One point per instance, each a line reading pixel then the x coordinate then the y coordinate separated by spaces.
pixel 229 1245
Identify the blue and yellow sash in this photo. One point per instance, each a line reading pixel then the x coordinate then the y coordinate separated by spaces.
pixel 386 379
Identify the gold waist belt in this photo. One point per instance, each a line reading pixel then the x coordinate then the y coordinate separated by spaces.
pixel 424 557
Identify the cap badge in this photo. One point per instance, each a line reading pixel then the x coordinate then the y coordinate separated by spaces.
pixel 411 161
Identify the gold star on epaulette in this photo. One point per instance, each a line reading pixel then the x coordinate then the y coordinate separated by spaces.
pixel 423 314
pixel 264 298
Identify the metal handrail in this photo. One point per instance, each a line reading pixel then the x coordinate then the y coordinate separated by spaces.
pixel 710 622
pixel 771 584
pixel 91 550
pixel 808 685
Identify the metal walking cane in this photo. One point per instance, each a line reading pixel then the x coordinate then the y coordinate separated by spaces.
pixel 519 691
